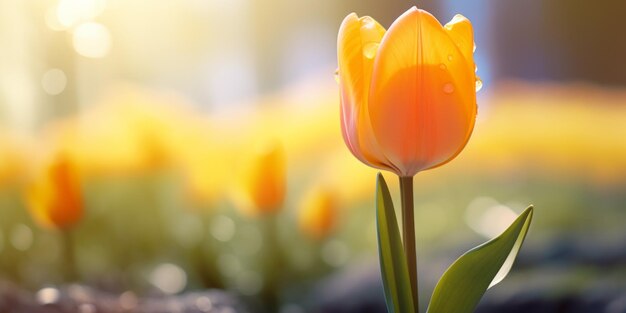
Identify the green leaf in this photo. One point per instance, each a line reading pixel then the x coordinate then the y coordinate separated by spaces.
pixel 393 266
pixel 462 286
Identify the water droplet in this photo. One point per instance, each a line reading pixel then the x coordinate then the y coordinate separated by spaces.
pixel 449 57
pixel 475 68
pixel 370 49
pixel 448 88
pixel 337 76
pixel 474 47
pixel 479 84
pixel 442 66
pixel 367 22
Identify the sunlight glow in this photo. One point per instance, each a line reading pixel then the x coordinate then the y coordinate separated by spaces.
pixel 487 217
pixel 71 12
pixel 92 40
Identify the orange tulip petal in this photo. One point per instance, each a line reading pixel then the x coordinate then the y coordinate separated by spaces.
pixel 54 199
pixel 422 102
pixel 357 43
pixel 462 34
pixel 66 209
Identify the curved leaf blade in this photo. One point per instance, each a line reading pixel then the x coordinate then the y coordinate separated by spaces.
pixel 393 266
pixel 462 286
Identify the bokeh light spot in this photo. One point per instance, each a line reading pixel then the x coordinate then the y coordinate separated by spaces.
pixel 92 40
pixel 47 295
pixel 204 304
pixel 71 12
pixel 54 81
pixel 487 217
pixel 22 237
pixel 128 300
pixel 169 278
pixel 222 228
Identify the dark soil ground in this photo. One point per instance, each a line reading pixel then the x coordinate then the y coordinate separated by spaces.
pixel 81 299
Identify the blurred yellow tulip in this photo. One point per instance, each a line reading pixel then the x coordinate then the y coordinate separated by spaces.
pixel 54 198
pixel 263 183
pixel 206 166
pixel 318 213
pixel 408 95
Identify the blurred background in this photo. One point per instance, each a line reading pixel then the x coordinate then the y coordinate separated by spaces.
pixel 165 108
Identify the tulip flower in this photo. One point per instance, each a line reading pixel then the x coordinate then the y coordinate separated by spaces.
pixel 408 99
pixel 408 104
pixel 264 181
pixel 408 95
pixel 318 213
pixel 54 199
pixel 262 194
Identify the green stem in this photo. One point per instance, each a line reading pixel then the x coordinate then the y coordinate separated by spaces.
pixel 273 264
pixel 205 258
pixel 69 255
pixel 408 234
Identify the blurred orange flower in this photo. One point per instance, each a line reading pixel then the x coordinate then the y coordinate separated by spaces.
pixel 408 95
pixel 318 213
pixel 54 199
pixel 263 182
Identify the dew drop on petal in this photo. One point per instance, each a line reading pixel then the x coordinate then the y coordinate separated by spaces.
pixel 448 88
pixel 449 57
pixel 442 66
pixel 479 84
pixel 474 47
pixel 370 49
pixel 367 22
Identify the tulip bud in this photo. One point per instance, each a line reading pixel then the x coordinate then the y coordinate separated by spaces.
pixel 264 181
pixel 408 95
pixel 318 213
pixel 54 198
